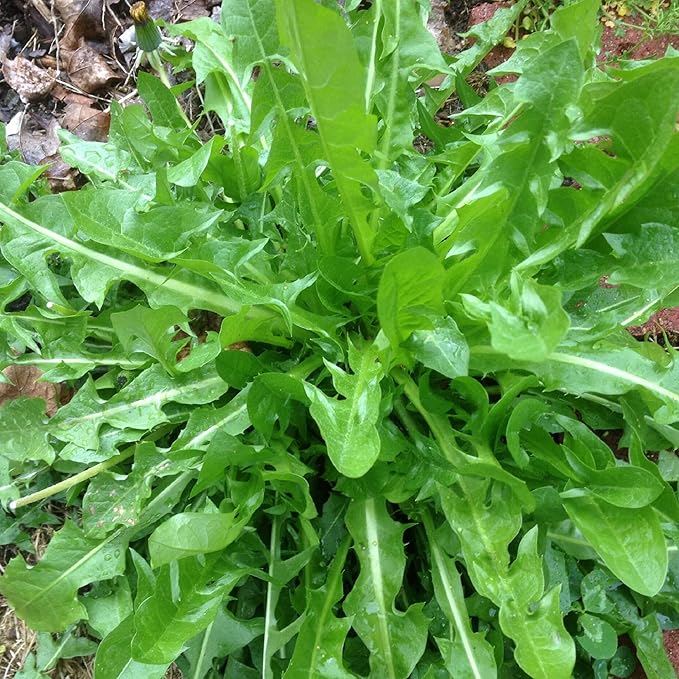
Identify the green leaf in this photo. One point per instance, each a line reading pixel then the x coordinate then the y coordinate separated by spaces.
pixel 111 217
pixel 598 637
pixel 184 601
pixel 190 533
pixel 647 636
pixel 46 595
pixel 408 52
pixel 139 405
pixel 411 290
pixel 627 486
pixel 528 615
pixel 151 332
pixel 106 613
pixel 469 654
pixel 442 348
pixel 646 257
pixel 579 21
pixel 161 102
pixel 223 637
pixel 114 661
pixel 24 431
pixel 320 642
pixel 629 541
pixel 348 426
pixel 530 326
pixel 396 639
pixel 334 80
pixel 188 172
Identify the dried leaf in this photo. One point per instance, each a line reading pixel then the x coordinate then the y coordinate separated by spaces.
pixel 83 19
pixel 88 123
pixel 29 81
pixel 192 9
pixel 34 134
pixel 24 384
pixel 88 69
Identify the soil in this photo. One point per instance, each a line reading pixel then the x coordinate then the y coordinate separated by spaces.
pixel 50 35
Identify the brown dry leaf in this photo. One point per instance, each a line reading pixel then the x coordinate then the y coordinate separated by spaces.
pixel 34 135
pixel 24 383
pixel 86 122
pixel 29 81
pixel 83 19
pixel 192 9
pixel 89 71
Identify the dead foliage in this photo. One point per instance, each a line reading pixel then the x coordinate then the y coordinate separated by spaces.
pixel 24 384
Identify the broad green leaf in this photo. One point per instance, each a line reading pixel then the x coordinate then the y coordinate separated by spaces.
pixel 106 613
pixel 629 541
pixel 114 660
pixel 598 637
pixel 16 178
pixel 410 291
pixel 184 601
pixel 626 486
pixel 639 139
pixel 225 635
pixel 45 596
pixel 348 426
pixel 486 35
pixel 190 533
pixel 111 217
pixel 645 258
pixel 188 172
pixel 139 405
pixel 212 62
pixel 396 639
pixel 24 431
pixel 530 326
pixel 113 500
pixel 442 348
pixel 205 423
pixel 578 20
pixel 95 270
pixel 408 52
pixel 151 332
pixel 647 636
pixel 528 615
pixel 613 370
pixel 161 102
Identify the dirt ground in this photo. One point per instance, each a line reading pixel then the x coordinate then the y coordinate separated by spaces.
pixel 62 64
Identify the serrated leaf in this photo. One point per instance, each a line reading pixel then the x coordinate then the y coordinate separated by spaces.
pixel 348 426
pixel 46 595
pixel 319 645
pixel 334 81
pixel 396 639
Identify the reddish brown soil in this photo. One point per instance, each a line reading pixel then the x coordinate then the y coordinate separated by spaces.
pixel 662 327
pixel 671 641
pixel 633 44
pixel 630 45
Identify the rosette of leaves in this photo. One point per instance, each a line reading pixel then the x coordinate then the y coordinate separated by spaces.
pixel 338 404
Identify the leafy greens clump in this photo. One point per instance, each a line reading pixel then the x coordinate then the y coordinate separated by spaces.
pixel 339 403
